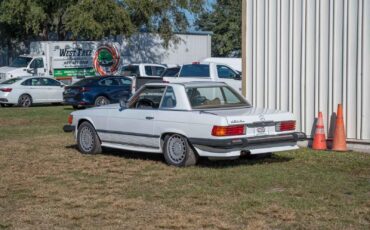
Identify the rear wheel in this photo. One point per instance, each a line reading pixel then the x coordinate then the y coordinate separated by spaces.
pixel 178 152
pixel 25 100
pixel 87 139
pixel 101 100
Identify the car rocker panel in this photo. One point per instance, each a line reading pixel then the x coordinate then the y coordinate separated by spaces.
pixel 198 115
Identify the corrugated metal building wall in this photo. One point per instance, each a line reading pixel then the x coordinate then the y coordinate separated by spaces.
pixel 307 56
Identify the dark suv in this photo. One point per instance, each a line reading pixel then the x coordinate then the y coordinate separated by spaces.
pixel 96 91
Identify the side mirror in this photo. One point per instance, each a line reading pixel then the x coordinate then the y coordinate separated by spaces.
pixel 123 103
pixel 238 77
pixel 31 71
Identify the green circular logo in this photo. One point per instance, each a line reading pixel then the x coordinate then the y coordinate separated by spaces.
pixel 105 57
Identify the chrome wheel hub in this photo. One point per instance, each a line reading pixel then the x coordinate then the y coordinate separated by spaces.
pixel 86 139
pixel 25 101
pixel 102 101
pixel 176 149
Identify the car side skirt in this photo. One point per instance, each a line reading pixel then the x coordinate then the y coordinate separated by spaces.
pixel 130 147
pixel 130 141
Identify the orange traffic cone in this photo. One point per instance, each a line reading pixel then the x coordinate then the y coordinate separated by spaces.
pixel 339 139
pixel 319 140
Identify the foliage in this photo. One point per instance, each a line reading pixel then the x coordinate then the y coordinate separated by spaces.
pixel 224 20
pixel 22 20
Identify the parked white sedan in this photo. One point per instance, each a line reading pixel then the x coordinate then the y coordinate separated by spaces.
pixel 185 121
pixel 26 91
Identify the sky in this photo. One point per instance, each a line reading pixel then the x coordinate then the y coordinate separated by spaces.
pixel 191 17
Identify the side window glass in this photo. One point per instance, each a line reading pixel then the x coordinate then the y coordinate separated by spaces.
pixel 148 70
pixel 50 82
pixel 225 72
pixel 169 99
pixel 109 82
pixel 44 82
pixel 125 81
pixel 148 98
pixel 27 82
pixel 158 70
pixel 37 63
pixel 32 82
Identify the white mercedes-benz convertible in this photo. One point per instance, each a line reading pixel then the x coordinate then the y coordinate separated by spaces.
pixel 185 121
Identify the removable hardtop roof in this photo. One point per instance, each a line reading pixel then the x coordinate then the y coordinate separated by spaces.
pixel 190 84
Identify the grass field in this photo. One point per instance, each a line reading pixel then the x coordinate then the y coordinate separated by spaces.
pixel 45 183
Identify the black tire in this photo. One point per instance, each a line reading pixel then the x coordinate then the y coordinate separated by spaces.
pixel 25 100
pixel 88 141
pixel 6 105
pixel 178 152
pixel 101 100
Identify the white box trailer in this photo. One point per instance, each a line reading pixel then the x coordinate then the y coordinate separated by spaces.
pixel 65 60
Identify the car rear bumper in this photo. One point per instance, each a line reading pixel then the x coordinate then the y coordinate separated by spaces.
pixel 69 128
pixel 73 101
pixel 253 145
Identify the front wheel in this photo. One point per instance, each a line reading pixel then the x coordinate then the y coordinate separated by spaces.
pixel 178 152
pixel 87 139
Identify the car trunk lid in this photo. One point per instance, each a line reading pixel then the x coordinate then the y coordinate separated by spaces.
pixel 71 91
pixel 259 121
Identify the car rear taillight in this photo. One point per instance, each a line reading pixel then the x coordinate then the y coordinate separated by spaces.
pixel 234 130
pixel 84 89
pixel 6 90
pixel 165 81
pixel 285 126
pixel 70 119
pixel 195 63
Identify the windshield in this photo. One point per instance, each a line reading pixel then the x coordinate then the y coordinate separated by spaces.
pixel 196 70
pixel 10 81
pixel 214 97
pixel 20 62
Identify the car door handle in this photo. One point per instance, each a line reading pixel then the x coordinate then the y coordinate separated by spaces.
pixel 149 118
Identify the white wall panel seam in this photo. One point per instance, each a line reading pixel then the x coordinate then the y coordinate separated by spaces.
pixel 321 59
pixel 266 41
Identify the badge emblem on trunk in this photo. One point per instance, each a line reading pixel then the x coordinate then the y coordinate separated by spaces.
pixel 261 117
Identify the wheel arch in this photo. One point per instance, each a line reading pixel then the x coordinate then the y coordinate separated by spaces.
pixel 28 94
pixel 85 119
pixel 102 95
pixel 164 134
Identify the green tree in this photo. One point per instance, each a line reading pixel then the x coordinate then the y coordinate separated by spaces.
pixel 224 20
pixel 95 19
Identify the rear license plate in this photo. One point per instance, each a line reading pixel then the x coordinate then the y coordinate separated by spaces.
pixel 261 131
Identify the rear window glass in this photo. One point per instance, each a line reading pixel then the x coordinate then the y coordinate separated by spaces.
pixel 130 70
pixel 214 97
pixel 171 72
pixel 197 70
pixel 84 82
pixel 11 81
